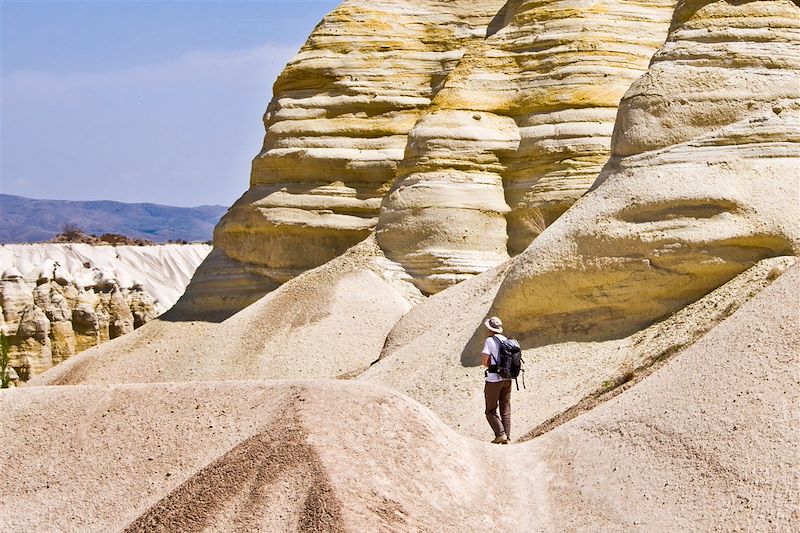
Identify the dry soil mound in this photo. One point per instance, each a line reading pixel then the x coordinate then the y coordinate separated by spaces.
pixel 329 322
pixel 707 442
pixel 433 354
pixel 256 456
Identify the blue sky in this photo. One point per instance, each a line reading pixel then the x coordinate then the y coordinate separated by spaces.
pixel 143 101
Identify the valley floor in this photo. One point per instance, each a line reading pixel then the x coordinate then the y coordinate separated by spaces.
pixel 708 441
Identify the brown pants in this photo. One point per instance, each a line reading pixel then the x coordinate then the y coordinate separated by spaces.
pixel 495 393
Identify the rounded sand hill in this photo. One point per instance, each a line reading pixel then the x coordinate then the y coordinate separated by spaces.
pixel 709 439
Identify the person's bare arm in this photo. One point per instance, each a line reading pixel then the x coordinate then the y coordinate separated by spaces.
pixel 485 361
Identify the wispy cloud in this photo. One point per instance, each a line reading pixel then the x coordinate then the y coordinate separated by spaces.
pixel 261 63
pixel 180 131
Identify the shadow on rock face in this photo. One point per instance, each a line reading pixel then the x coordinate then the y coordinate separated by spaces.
pixel 220 288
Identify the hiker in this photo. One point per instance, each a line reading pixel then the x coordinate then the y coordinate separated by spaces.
pixel 496 390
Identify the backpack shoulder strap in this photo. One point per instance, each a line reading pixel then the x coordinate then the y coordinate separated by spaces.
pixel 499 345
pixel 494 359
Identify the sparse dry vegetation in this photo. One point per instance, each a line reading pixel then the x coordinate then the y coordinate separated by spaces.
pixel 533 220
pixel 72 233
pixel 5 358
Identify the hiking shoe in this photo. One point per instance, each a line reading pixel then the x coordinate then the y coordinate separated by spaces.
pixel 502 439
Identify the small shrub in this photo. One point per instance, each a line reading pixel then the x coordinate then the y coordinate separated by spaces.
pixel 5 358
pixel 627 376
pixel 114 238
pixel 72 230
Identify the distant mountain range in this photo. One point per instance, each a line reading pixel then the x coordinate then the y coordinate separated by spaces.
pixel 29 220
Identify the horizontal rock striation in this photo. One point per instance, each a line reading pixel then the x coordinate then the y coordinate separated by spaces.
pixel 521 127
pixel 444 220
pixel 573 66
pixel 670 218
pixel 337 129
pixel 460 129
pixel 702 183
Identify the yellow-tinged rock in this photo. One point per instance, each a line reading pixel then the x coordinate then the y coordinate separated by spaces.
pixel 559 70
pixel 521 127
pixel 75 296
pixel 476 124
pixel 444 220
pixel 51 298
pixel 702 183
pixel 337 128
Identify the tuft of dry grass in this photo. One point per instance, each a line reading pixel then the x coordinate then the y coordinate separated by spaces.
pixel 533 220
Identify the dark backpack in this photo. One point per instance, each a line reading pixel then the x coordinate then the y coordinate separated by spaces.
pixel 509 360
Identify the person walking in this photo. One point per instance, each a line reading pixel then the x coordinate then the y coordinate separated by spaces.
pixel 496 391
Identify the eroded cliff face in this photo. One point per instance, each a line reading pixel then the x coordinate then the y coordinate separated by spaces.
pixel 519 131
pixel 702 182
pixel 665 291
pixel 59 299
pixel 48 320
pixel 458 138
pixel 459 129
pixel 337 129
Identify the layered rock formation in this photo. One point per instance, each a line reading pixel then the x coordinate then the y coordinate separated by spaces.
pixel 701 185
pixel 48 321
pixel 74 297
pixel 437 121
pixel 445 220
pixel 337 129
pixel 498 140
pixel 603 283
pixel 656 313
pixel 519 131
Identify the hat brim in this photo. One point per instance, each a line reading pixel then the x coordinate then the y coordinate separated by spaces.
pixel 490 328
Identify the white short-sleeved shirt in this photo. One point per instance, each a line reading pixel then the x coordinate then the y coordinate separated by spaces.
pixel 490 347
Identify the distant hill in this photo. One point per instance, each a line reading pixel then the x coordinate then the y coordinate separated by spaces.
pixel 29 220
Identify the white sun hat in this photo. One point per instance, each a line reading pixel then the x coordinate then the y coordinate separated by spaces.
pixel 494 324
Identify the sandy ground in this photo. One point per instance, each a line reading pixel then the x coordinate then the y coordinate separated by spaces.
pixel 707 442
pixel 269 456
pixel 432 354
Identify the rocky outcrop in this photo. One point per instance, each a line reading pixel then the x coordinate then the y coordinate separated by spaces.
pixel 460 129
pixel 669 220
pixel 52 298
pixel 74 297
pixel 519 131
pixel 701 184
pixel 657 314
pixel 47 322
pixel 445 220
pixel 337 128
